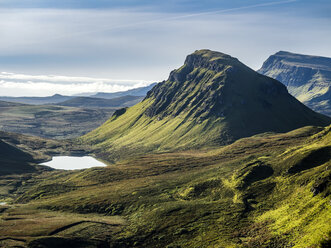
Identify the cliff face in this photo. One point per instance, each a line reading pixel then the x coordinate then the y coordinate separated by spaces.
pixel 308 78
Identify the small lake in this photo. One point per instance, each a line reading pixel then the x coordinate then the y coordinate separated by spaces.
pixel 73 163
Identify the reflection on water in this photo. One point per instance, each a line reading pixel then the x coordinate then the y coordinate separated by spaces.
pixel 73 163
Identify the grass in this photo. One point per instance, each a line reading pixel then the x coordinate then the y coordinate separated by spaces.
pixel 194 198
pixel 309 215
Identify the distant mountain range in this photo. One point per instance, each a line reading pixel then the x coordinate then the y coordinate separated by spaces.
pixel 141 91
pixel 37 100
pixel 57 98
pixel 306 77
pixel 60 116
pixel 93 102
pixel 212 99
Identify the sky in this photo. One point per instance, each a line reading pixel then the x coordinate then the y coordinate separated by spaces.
pixel 76 46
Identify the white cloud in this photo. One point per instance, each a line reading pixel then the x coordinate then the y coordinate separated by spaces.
pixel 44 85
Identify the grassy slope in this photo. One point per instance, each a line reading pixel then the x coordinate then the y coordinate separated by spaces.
pixel 262 191
pixel 132 131
pixel 212 99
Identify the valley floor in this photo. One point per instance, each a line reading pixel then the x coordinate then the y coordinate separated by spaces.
pixel 270 190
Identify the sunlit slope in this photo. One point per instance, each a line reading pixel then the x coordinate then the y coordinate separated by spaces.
pixel 212 99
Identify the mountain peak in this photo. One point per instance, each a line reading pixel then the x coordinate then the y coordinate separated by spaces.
pixel 280 53
pixel 204 87
pixel 210 59
pixel 57 95
pixel 206 53
pixel 212 99
pixel 206 60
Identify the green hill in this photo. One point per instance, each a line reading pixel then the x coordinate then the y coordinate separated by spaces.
pixel 307 77
pixel 212 99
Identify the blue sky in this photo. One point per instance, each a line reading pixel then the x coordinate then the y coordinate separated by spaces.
pixel 159 5
pixel 125 44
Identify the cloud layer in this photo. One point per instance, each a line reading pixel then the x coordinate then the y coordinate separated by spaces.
pixel 28 85
pixel 147 43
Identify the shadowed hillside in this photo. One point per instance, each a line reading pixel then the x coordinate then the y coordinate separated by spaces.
pixel 14 160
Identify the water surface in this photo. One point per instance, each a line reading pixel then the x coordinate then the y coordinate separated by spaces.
pixel 73 163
